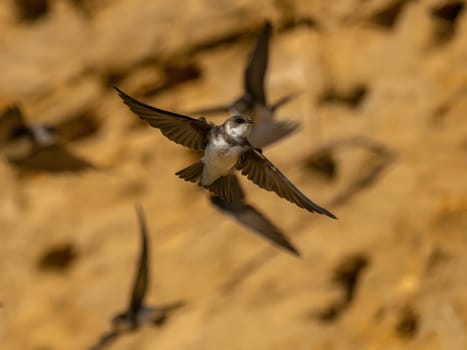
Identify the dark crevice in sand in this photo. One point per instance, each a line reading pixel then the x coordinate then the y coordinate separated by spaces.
pixel 386 18
pixel 445 21
pixel 32 10
pixel 352 98
pixel 346 276
pixel 407 324
pixel 58 258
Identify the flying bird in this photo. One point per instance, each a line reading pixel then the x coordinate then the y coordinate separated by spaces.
pixel 253 101
pixel 137 313
pixel 225 148
pixel 267 130
pixel 35 146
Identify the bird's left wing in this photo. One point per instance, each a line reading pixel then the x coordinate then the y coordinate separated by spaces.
pixel 263 173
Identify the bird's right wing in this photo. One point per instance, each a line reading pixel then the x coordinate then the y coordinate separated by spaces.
pixel 184 130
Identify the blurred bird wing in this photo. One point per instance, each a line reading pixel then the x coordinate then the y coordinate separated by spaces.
pixel 283 101
pixel 253 80
pixel 162 312
pixel 169 307
pixel 220 109
pixel 54 158
pixel 141 282
pixel 181 129
pixel 77 127
pixel 257 63
pixel 258 169
pixel 271 131
pixel 253 219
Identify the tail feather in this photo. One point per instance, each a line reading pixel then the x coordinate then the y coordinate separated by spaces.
pixel 227 188
pixel 191 173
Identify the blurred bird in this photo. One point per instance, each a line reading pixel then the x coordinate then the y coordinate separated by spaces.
pixel 137 314
pixel 253 101
pixel 35 146
pixel 225 148
pixel 250 217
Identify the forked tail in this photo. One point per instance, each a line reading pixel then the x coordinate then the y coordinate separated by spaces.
pixel 191 173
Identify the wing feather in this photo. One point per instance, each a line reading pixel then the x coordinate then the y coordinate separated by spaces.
pixel 255 71
pixel 258 169
pixel 181 129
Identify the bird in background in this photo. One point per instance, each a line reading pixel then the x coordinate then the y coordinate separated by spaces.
pixel 137 313
pixel 37 147
pixel 225 148
pixel 253 102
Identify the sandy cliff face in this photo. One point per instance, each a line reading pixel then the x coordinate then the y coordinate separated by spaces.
pixel 383 144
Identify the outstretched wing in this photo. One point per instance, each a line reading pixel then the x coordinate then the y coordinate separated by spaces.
pixel 257 65
pixel 142 273
pixel 263 173
pixel 184 130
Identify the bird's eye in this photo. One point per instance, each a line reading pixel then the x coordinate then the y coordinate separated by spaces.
pixel 239 120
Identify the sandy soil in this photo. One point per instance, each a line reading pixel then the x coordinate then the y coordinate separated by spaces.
pixel 383 87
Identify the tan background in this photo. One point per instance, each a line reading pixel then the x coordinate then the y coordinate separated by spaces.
pixel 409 223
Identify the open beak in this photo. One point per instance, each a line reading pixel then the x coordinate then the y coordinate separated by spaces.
pixel 250 121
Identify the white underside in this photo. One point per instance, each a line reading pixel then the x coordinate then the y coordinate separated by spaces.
pixel 219 159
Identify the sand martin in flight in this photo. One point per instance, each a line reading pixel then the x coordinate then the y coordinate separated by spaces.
pixel 253 101
pixel 35 146
pixel 137 314
pixel 267 130
pixel 225 149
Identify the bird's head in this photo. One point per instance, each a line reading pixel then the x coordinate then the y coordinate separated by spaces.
pixel 239 126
